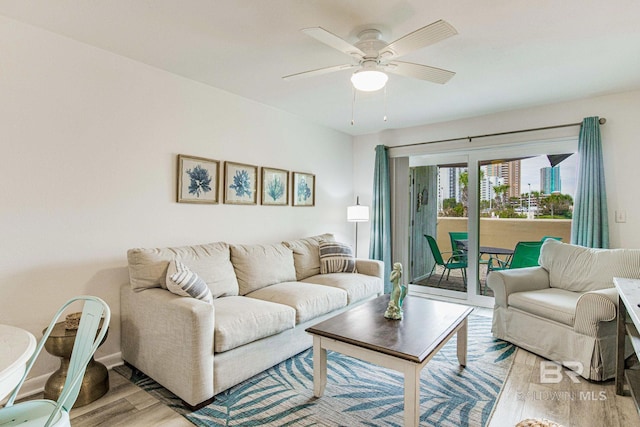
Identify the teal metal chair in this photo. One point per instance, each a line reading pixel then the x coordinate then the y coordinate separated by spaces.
pixel 454 262
pixel 457 235
pixel 525 254
pixel 44 412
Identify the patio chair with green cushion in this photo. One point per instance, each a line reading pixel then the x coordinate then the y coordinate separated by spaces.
pixel 551 237
pixel 525 254
pixel 454 262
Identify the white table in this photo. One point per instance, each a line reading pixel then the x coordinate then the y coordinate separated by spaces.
pixel 629 294
pixel 16 347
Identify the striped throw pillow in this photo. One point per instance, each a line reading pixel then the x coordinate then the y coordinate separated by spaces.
pixel 184 282
pixel 336 257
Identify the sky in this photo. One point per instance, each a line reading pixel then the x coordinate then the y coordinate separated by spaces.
pixel 530 173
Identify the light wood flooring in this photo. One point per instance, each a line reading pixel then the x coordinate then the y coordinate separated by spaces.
pixel 570 404
pixel 523 396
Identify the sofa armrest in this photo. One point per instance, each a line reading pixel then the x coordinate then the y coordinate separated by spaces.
pixel 370 267
pixel 505 282
pixel 594 307
pixel 169 338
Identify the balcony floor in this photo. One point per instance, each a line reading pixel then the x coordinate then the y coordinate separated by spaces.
pixel 455 282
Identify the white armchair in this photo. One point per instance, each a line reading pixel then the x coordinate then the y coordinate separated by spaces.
pixel 565 309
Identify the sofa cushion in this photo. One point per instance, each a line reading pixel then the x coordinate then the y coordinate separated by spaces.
pixel 553 303
pixel 184 282
pixel 258 266
pixel 358 286
pixel 336 257
pixel 241 320
pixel 306 254
pixel 148 266
pixel 580 269
pixel 309 300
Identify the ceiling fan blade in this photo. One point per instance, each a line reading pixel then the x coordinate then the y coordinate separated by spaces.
pixel 422 72
pixel 333 41
pixel 418 39
pixel 318 71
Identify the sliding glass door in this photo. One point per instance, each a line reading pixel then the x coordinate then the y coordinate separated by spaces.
pixel 439 212
pixel 476 208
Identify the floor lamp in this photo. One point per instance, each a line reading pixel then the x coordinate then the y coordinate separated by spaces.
pixel 357 213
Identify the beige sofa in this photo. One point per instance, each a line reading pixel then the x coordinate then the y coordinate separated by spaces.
pixel 264 298
pixel 565 309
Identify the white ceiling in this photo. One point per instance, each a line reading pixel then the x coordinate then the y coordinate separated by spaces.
pixel 508 53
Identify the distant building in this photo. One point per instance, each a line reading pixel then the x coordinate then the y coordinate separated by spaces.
pixel 449 180
pixel 550 180
pixel 509 174
pixel 487 183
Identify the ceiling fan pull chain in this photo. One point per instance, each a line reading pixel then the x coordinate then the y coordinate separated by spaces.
pixel 353 102
pixel 385 104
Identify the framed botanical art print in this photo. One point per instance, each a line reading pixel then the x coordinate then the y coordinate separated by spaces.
pixel 275 183
pixel 303 189
pixel 197 180
pixel 240 184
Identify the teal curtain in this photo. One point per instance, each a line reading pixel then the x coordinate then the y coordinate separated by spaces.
pixel 380 242
pixel 590 226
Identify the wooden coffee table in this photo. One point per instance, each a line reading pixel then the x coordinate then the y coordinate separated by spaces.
pixel 403 345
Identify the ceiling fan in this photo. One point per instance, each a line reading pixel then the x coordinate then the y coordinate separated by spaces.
pixel 373 57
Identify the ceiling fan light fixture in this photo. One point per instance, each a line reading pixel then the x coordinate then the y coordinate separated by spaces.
pixel 369 80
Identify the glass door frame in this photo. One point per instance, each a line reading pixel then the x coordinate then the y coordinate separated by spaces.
pixel 474 157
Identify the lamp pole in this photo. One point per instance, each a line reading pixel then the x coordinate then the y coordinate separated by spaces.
pixel 357 213
pixel 529 208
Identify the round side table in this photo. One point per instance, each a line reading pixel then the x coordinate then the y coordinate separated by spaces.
pixel 95 383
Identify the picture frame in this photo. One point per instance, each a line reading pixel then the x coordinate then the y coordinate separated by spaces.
pixel 275 185
pixel 303 189
pixel 198 180
pixel 240 184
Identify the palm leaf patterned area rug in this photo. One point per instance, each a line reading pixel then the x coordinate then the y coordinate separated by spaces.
pixel 359 393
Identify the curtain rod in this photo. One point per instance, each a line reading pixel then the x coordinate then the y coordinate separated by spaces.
pixel 601 121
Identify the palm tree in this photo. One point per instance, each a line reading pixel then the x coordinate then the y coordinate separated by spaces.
pixel 502 195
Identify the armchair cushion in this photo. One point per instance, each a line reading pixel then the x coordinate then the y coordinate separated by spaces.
pixel 580 269
pixel 506 282
pixel 550 303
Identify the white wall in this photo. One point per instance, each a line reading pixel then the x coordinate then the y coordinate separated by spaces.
pixel 621 149
pixel 89 143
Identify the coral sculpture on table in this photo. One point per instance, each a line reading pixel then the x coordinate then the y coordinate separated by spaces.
pixel 398 292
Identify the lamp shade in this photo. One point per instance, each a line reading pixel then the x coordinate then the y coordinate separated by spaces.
pixel 358 213
pixel 369 80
